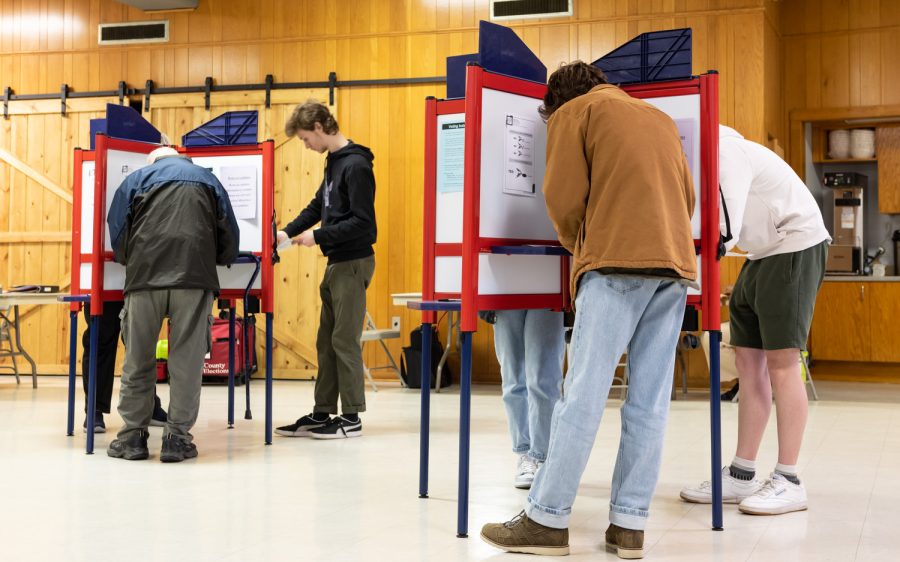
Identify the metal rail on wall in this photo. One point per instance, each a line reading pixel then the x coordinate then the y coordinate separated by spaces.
pixel 209 86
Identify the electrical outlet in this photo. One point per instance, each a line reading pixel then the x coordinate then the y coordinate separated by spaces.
pixel 395 323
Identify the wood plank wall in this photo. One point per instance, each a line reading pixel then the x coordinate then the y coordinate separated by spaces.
pixel 838 54
pixel 43 44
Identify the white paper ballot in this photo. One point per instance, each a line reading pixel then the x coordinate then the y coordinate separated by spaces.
pixel 240 183
pixel 518 177
pixel 285 245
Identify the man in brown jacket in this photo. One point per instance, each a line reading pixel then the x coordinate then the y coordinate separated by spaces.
pixel 619 192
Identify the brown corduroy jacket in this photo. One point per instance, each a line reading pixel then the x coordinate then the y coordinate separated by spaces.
pixel 618 187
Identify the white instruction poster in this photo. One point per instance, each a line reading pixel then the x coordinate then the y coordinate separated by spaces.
pixel 518 177
pixel 240 183
pixel 451 156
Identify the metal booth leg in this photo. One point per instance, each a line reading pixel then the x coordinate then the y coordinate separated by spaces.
pixel 425 412
pixel 465 405
pixel 715 420
pixel 73 348
pixel 92 384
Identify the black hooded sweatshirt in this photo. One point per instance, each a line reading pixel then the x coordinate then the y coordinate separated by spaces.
pixel 344 204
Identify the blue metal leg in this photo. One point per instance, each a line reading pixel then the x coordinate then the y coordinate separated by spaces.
pixel 465 403
pixel 425 413
pixel 231 367
pixel 269 331
pixel 73 348
pixel 715 419
pixel 92 384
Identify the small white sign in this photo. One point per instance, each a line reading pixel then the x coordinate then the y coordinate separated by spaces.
pixel 240 183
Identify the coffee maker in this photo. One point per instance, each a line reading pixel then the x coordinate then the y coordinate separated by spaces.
pixel 845 255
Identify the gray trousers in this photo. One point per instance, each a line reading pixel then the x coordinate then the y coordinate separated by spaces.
pixel 341 372
pixel 188 311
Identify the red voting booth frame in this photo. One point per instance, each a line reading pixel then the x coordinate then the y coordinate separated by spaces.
pixel 469 302
pixel 97 294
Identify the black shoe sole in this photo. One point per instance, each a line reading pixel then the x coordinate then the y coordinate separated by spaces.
pixel 170 457
pixel 129 455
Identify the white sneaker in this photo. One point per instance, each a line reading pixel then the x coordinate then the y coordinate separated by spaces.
pixel 778 495
pixel 525 472
pixel 734 490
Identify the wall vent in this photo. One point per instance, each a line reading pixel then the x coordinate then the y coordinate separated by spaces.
pixel 134 32
pixel 525 9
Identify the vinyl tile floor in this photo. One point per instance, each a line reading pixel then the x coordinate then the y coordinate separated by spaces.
pixel 356 499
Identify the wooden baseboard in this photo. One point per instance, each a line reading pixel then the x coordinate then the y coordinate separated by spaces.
pixel 851 371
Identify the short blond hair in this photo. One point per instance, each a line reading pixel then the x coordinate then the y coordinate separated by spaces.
pixel 305 117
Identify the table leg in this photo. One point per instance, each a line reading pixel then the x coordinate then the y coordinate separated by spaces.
pixel 22 352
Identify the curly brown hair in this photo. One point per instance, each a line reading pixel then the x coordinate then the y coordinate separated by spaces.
pixel 306 116
pixel 568 82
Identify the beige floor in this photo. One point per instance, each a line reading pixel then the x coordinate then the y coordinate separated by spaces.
pixel 356 499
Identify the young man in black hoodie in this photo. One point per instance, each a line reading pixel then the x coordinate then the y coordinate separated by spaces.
pixel 345 206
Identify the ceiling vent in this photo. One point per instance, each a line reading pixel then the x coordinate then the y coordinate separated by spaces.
pixel 525 9
pixel 134 32
pixel 161 5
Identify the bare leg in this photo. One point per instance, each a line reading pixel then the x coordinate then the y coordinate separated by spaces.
pixel 755 400
pixel 791 403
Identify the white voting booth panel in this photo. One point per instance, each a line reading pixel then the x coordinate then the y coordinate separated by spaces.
pixel 513 153
pixel 500 274
pixel 685 111
pixel 224 167
pixel 506 212
pixel 122 163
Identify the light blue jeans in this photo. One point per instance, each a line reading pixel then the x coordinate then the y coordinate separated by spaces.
pixel 530 346
pixel 613 312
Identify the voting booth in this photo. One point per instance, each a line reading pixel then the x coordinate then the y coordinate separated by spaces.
pixel 246 171
pixel 488 243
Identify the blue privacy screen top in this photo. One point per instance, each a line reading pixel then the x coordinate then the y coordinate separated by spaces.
pixel 650 57
pixel 500 51
pixel 233 127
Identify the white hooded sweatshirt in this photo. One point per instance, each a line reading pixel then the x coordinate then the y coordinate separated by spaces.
pixel 771 210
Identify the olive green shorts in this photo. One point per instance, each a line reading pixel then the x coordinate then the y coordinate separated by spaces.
pixel 774 298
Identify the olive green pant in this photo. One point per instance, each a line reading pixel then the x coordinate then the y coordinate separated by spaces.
pixel 774 299
pixel 188 311
pixel 341 371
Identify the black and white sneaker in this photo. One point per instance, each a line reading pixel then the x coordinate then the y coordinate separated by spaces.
pixel 302 427
pixel 338 428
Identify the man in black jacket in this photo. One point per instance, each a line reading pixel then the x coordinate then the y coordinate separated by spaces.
pixel 345 206
pixel 170 223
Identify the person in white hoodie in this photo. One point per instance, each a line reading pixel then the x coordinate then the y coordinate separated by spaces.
pixel 776 220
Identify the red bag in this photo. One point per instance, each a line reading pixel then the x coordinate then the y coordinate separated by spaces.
pixel 216 363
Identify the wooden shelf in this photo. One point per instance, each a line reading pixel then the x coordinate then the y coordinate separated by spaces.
pixel 846 161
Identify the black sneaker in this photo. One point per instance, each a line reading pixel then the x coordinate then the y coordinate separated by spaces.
pixel 302 427
pixel 132 449
pixel 175 449
pixel 338 428
pixel 160 417
pixel 99 426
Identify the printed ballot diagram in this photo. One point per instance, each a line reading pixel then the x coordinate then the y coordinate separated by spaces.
pixel 518 177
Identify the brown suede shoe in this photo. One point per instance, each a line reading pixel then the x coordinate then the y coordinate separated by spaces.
pixel 627 543
pixel 521 534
